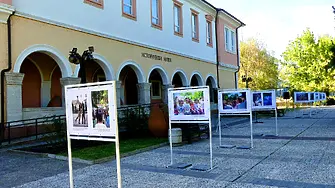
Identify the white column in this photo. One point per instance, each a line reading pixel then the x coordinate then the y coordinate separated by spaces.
pixel 165 91
pixel 13 95
pixel 144 93
pixel 118 93
pixel 45 93
pixel 68 81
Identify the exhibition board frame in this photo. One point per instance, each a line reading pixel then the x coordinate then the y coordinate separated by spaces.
pixel 272 107
pixel 222 111
pixel 304 101
pixel 86 108
pixel 201 114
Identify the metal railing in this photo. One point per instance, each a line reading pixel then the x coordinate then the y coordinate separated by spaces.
pixel 33 127
pixel 30 127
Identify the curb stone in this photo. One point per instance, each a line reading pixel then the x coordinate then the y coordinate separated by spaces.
pixel 91 162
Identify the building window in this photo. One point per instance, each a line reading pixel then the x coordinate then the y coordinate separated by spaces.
pixel 96 3
pixel 178 18
pixel 156 89
pixel 209 33
pixel 195 25
pixel 129 9
pixel 156 13
pixel 230 40
pixel 209 30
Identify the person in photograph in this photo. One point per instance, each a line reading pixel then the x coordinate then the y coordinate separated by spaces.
pixel 100 124
pixel 257 100
pixel 241 104
pixel 94 112
pixel 107 119
pixel 79 113
pixel 267 99
pixel 83 116
pixel 226 105
pixel 187 107
pixel 175 108
pixel 180 107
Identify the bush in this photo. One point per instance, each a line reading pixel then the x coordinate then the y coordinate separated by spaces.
pixel 135 120
pixel 330 101
pixel 57 132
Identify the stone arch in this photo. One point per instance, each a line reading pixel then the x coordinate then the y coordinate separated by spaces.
pixel 61 61
pixel 198 77
pixel 104 64
pixel 162 72
pixel 182 75
pixel 137 68
pixel 213 80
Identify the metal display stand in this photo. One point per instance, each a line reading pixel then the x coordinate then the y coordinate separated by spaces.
pixel 256 118
pixel 226 98
pixel 265 100
pixel 111 134
pixel 251 130
pixel 276 116
pixel 190 119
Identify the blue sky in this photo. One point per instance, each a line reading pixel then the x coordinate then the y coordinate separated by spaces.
pixel 277 22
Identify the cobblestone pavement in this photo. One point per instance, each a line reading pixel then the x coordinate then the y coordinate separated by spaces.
pixel 301 156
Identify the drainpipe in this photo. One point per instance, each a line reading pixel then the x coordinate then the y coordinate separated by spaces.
pixel 9 67
pixel 238 56
pixel 217 47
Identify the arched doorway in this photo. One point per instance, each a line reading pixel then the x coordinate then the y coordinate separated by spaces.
pixel 41 83
pixel 129 90
pixel 94 72
pixel 196 80
pixel 31 85
pixel 179 79
pixel 210 81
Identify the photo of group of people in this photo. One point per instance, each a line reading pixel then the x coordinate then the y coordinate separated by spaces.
pixel 79 111
pixel 301 96
pixel 100 108
pixel 189 103
pixel 234 100
pixel 262 99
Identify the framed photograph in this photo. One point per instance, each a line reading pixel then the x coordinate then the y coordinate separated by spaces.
pixel 301 97
pixel 311 96
pixel 323 96
pixel 265 99
pixel 189 104
pixel 316 96
pixel 91 109
pixel 234 101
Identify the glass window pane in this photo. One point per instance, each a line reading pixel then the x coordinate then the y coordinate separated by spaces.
pixel 155 21
pixel 128 2
pixel 127 9
pixel 154 8
pixel 176 16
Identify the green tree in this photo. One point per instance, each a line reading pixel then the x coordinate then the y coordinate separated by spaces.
pixel 259 64
pixel 309 63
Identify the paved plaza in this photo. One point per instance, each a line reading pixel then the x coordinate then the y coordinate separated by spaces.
pixel 303 155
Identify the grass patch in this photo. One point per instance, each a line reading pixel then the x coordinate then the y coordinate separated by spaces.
pixel 108 150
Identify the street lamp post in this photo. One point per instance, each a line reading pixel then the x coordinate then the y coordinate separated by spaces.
pixel 76 58
pixel 246 79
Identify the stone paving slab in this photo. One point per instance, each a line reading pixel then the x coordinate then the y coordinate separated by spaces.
pixel 17 168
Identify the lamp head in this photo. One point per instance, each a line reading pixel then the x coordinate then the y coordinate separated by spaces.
pixel 73 57
pixel 74 50
pixel 91 49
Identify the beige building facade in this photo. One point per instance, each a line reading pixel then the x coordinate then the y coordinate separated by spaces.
pixel 35 67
